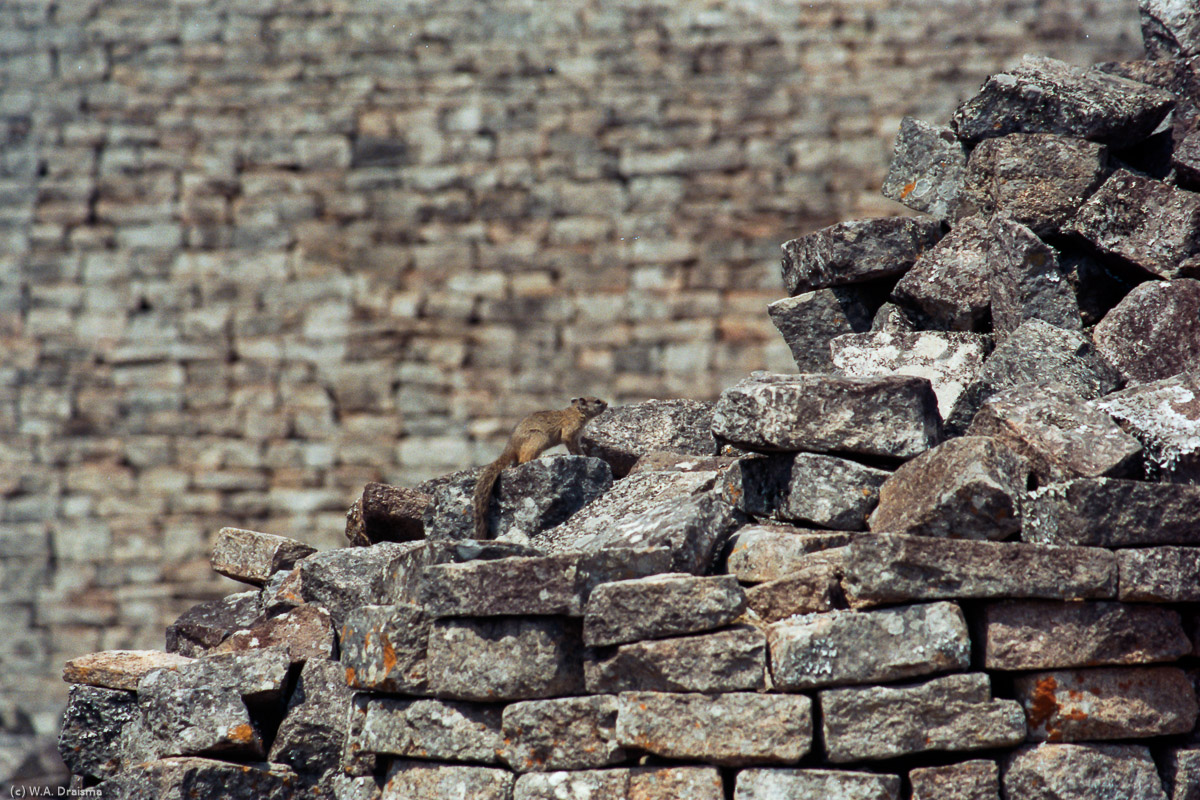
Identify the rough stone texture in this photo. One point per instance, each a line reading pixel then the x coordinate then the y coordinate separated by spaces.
pixel 386 514
pixel 949 360
pixel 896 569
pixel 118 669
pixel 658 606
pixel 622 435
pixel 965 488
pixel 1044 95
pixel 950 282
pixel 1160 574
pixel 253 557
pixel 1103 512
pixel 664 461
pixel 527 498
pixel 91 739
pixel 968 780
pixel 892 416
pixel 1109 703
pixel 759 553
pixel 1025 635
pixel 639 783
pixel 1147 223
pixel 185 778
pixel 1154 333
pixel 206 625
pixel 413 780
pixel 771 784
pixel 810 320
pixel 385 648
pixel 342 580
pixel 503 658
pixel 1170 28
pixel 188 716
pixel 851 647
pixel 855 251
pixel 312 736
pixel 1060 436
pixel 926 171
pixel 405 582
pixel 1165 417
pixel 1186 161
pixel 305 632
pixel 726 661
pixel 812 588
pixel 1027 281
pixel 1181 773
pixel 565 733
pixel 433 729
pixel 729 729
pixel 954 713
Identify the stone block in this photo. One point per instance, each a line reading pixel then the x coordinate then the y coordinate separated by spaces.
pixel 952 713
pixel 927 167
pixel 1186 161
pixel 418 780
pixel 851 647
pixel 190 717
pixel 968 780
pixel 1154 332
pixel 253 557
pixel 178 778
pixel 1074 771
pixel 387 514
pixel 1107 703
pixel 92 738
pixel 892 416
pixel 769 784
pixel 1106 512
pixel 1170 28
pixel 760 553
pixel 563 733
pixel 1027 281
pixel 343 580
pixel 312 736
pixel 1165 417
pixel 672 783
pixel 728 729
pixel 405 582
pixel 808 488
pixel 660 606
pixel 385 648
pixel 809 321
pixel 433 729
pixel 950 283
pixel 726 661
pixel 118 669
pixel 593 784
pixel 622 435
pixel 206 625
pixel 815 587
pixel 855 251
pixel 1160 574
pixel 305 632
pixel 1181 773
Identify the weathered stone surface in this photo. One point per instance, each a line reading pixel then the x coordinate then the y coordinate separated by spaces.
pixel 887 416
pixel 1107 703
pixel 955 712
pixel 206 625
pixel 665 461
pixel 1043 95
pixel 1170 28
pixel 926 172
pixel 950 282
pixel 638 783
pixel 773 784
pixel 1154 333
pixel 1027 281
pixel 968 780
pixel 305 632
pixel 1038 180
pixel 622 435
pixel 851 647
pixel 433 729
pixel 405 581
pixel 253 557
pixel 186 778
pixel 1160 574
pixel 1080 771
pixel 91 739
pixel 897 569
pixel 413 780
pixel 729 729
pixel 384 648
pixel 1031 634
pixel 1181 773
pixel 118 669
pixel 1165 417
pixel 855 251
pixel 814 587
pixel 1105 512
pixel 1180 77
pixel 342 580
pixel 312 736
pixel 671 783
pixel 760 553
pixel 1150 224
pixel 1098 284
pixel 356 760
pixel 1186 161
pixel 810 320
pixel 658 606
pixel 1060 436
pixel 564 733
pixel 965 488
pixel 727 661
pixel 387 514
pixel 190 717
pixel 505 658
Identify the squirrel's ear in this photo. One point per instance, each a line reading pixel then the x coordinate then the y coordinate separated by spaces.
pixel 576 400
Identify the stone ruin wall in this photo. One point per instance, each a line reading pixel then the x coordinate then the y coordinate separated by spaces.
pixel 257 253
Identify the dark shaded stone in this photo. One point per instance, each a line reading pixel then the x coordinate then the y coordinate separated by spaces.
pixel 1180 767
pixel 1074 771
pixel 950 282
pixel 1105 512
pixel 1154 333
pixel 385 648
pixel 926 172
pixel 855 251
pixel 206 625
pixel 663 605
pixel 392 513
pixel 810 320
pixel 1186 161
pixel 312 736
pixel 1165 417
pixel 91 739
pixel 1026 281
pixel 622 435
pixel 726 661
pixel 179 778
pixel 253 557
pixel 1099 284
pixel 1170 28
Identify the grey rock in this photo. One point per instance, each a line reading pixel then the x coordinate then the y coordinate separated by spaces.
pixel 968 780
pixel 1180 77
pixel 342 580
pixel 1170 28
pixel 1043 95
pixel 405 582
pixel 810 320
pixel 850 647
pixel 1105 512
pixel 1147 223
pixel 726 661
pixel 814 587
pixel 1181 773
pixel 728 729
pixel 187 778
pixel 1078 771
pixel 118 669
pixel 346 787
pixel 672 783
pixel 1060 436
pixel 433 729
pixel 1160 574
pixel 968 488
pixel 305 632
pixel 951 282
pixel 892 416
pixel 855 251
pixel 1186 161
pixel 622 435
pixel 505 658
pixel 188 717
pixel 1027 281
pixel 1154 333
pixel 385 648
pixel 253 557
pixel 593 784
pixel 659 606
pixel 954 713
pixel 897 569
pixel 206 625
pixel 91 740
pixel 388 514
pixel 760 553
pixel 257 676
pixel 1030 634
pixel 926 172
pixel 409 780
pixel 1165 417
pixel 773 784
pixel 664 461
pixel 356 760
pixel 564 733
pixel 311 738
pixel 1108 703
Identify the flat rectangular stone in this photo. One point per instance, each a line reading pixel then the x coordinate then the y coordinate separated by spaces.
pixel 660 606
pixel 761 553
pixel 118 669
pixel 505 658
pixel 304 633
pixel 385 648
pixel 1035 634
pixel 969 780
pixel 1106 512
pixel 1070 772
pixel 855 251
pixel 1160 574
pixel 674 783
pixel 813 588
pixel 207 777
pixel 542 585
pixel 851 647
pixel 1108 703
pixel 952 713
pixel 408 780
pixel 593 784
pixel 725 661
pixel 253 557
pixel 433 729
pixel 406 580
pixel 343 580
pixel 896 569
pixel 1163 415
pixel 728 729
pixel 1181 773
pixel 774 784
pixel 563 733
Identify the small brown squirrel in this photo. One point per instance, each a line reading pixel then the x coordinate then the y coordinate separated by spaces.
pixel 534 435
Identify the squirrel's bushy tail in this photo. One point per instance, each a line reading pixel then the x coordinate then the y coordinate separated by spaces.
pixel 483 491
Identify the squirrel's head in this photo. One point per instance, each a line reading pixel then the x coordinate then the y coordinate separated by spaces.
pixel 589 406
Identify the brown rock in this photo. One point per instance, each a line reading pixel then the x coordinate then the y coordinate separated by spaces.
pixel 855 251
pixel 969 780
pixel 1154 333
pixel 253 557
pixel 1106 512
pixel 304 632
pixel 1165 417
pixel 814 587
pixel 1160 574
pixel 118 669
pixel 760 553
pixel 950 281
pixel 726 661
pixel 393 513
pixel 1073 772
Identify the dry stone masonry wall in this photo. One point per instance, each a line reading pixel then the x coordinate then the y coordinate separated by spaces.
pixel 916 574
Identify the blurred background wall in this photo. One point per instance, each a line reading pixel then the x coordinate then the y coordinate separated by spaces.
pixel 256 253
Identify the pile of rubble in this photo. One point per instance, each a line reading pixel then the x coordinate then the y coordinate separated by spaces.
pixel 959 554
